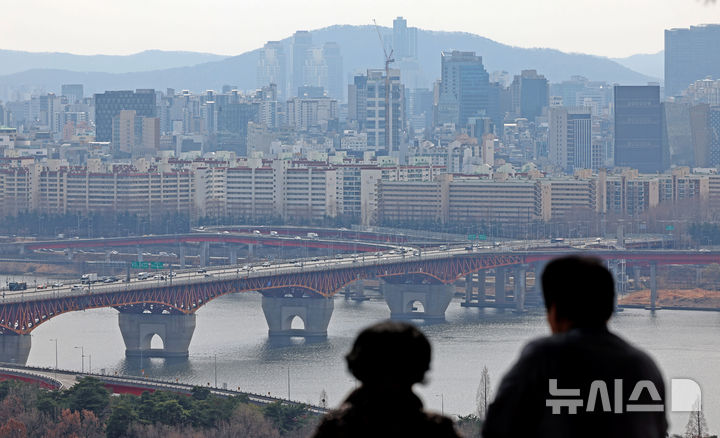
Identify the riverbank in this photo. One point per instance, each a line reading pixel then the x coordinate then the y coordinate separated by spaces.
pixel 42 269
pixel 684 298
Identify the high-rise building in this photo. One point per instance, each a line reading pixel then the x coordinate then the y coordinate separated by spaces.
pixel 529 94
pixel 334 64
pixel 272 67
pixel 110 103
pixel 357 101
pixel 464 88
pixel 315 73
pixel 638 128
pixel 691 54
pixel 404 39
pixel 74 92
pixel 569 138
pixel 232 125
pixel 705 133
pixel 302 42
pixel 370 95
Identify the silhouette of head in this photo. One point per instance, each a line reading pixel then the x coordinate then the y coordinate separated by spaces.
pixel 578 292
pixel 391 354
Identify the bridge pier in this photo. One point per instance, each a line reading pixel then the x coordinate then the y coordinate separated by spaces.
pixel 315 314
pixel 233 255
pixel 500 276
pixel 181 255
pixel 520 286
pixel 653 286
pixel 204 254
pixel 14 348
pixel 138 329
pixel 402 299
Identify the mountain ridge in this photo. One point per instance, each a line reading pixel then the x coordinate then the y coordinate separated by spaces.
pixel 360 50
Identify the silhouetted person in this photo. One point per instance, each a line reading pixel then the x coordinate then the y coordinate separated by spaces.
pixel 388 359
pixel 594 370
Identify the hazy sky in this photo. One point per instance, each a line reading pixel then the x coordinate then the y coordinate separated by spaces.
pixel 613 28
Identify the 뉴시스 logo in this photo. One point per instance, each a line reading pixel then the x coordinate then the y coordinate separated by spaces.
pixel 685 396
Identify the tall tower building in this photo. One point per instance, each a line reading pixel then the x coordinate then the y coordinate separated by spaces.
pixel 302 42
pixel 638 128
pixel 334 63
pixel 530 94
pixel 272 67
pixel 316 70
pixel 110 103
pixel 691 54
pixel 464 88
pixel 74 92
pixel 570 138
pixel 375 122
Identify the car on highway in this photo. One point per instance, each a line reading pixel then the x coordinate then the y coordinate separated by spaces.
pixel 41 286
pixel 273 233
pixel 57 284
pixel 298 264
pixel 266 264
pixel 75 287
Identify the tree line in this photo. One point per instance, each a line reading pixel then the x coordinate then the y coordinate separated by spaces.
pixel 88 410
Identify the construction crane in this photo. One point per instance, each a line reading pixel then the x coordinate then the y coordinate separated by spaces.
pixel 388 106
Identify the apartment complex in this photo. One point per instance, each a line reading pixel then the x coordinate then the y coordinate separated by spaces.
pixel 303 191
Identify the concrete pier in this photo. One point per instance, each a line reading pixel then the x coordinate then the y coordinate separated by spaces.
pixel 204 254
pixel 14 348
pixel 233 255
pixel 181 256
pixel 315 314
pixel 417 301
pixel 138 329
pixel 520 288
pixel 500 276
pixel 653 286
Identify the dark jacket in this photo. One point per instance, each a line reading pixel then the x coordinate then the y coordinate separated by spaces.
pixel 576 359
pixel 377 413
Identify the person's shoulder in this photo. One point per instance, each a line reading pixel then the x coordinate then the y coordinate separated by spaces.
pixel 541 346
pixel 636 355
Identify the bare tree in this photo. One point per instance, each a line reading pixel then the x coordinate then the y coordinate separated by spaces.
pixel 696 426
pixel 484 393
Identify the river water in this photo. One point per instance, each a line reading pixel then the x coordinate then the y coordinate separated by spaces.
pixel 231 336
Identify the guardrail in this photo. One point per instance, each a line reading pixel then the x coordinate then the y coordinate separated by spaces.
pixel 147 382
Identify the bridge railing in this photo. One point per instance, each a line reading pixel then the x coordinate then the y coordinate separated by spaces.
pixel 222 274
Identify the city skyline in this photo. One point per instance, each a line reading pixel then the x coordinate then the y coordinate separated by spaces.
pixel 609 34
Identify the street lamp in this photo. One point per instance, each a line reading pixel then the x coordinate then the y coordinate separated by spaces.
pixel 442 403
pixel 82 359
pixel 215 358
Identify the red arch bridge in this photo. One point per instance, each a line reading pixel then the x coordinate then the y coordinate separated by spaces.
pixel 409 282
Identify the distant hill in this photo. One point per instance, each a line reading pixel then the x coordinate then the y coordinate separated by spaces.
pixel 12 61
pixel 360 50
pixel 650 64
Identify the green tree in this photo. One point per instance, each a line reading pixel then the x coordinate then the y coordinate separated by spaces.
pixel 123 415
pixel 286 417
pixel 88 394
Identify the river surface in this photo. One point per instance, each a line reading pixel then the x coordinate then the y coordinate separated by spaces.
pixel 231 336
